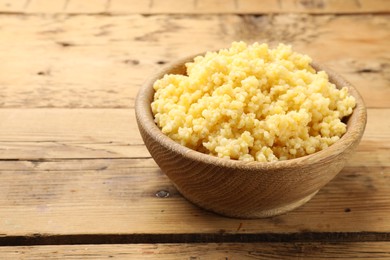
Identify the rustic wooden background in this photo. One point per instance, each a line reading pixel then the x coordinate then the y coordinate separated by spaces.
pixel 73 167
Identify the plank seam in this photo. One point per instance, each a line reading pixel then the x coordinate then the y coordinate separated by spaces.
pixel 221 237
pixel 108 13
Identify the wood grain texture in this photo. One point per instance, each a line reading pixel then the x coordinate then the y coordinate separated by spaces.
pixel 53 187
pixel 45 6
pixel 65 133
pixel 194 6
pixel 76 171
pixel 377 250
pixel 12 6
pixel 86 7
pixel 40 134
pixel 75 197
pixel 101 61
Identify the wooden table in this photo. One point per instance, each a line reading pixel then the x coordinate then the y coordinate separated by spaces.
pixel 75 177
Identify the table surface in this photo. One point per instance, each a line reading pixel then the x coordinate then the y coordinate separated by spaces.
pixel 75 177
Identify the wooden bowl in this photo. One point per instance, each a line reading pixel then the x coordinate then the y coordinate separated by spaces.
pixel 245 189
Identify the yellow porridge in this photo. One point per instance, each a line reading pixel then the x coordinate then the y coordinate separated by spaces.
pixel 252 103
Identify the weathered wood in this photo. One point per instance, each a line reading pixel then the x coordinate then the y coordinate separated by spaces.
pixel 83 175
pixel 59 133
pixel 12 6
pixel 50 189
pixel 35 134
pixel 103 64
pixel 44 6
pixel 87 7
pixel 44 177
pixel 253 6
pixel 361 250
pixel 194 6
pixel 118 196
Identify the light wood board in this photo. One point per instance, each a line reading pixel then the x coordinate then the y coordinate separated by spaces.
pixel 51 63
pixel 39 134
pixel 51 172
pixel 109 7
pixel 362 250
pixel 73 167
pixel 78 197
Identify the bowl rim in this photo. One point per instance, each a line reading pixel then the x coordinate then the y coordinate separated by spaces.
pixel 349 140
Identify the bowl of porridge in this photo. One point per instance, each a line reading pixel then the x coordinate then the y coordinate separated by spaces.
pixel 249 131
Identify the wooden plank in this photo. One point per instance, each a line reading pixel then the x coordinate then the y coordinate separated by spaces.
pixel 360 250
pixel 267 6
pixel 75 198
pixel 270 6
pixel 46 6
pixel 65 133
pixel 216 6
pixel 202 6
pixel 35 134
pixel 131 6
pixel 12 6
pixel 184 6
pixel 103 62
pixel 51 196
pixel 330 6
pixel 86 7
